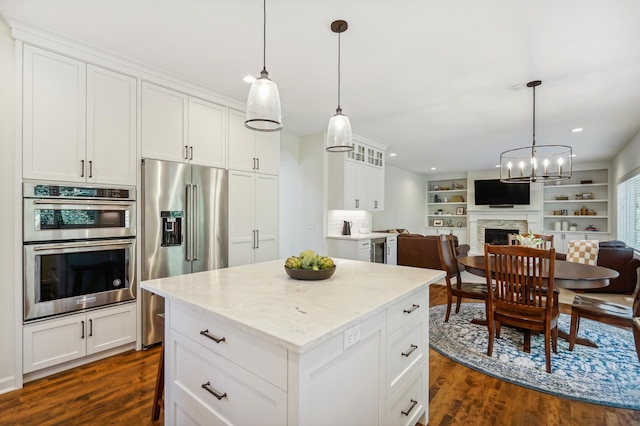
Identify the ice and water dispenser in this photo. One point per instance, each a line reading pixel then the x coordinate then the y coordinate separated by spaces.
pixel 171 228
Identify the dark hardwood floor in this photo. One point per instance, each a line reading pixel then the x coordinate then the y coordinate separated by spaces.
pixel 119 391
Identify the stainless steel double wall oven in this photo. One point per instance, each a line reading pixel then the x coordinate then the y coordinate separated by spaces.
pixel 79 247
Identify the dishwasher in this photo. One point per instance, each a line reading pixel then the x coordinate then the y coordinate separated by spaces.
pixel 378 250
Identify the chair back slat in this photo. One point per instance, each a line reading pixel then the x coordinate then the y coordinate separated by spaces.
pixel 448 259
pixel 523 278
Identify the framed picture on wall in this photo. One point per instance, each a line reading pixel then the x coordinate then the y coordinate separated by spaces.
pixel 437 222
pixel 460 210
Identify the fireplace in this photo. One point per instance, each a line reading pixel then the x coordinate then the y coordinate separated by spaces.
pixel 496 236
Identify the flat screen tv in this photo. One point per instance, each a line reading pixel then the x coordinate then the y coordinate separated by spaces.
pixel 492 192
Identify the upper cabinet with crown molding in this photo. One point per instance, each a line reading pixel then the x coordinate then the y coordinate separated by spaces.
pixel 79 120
pixel 181 128
pixel 356 179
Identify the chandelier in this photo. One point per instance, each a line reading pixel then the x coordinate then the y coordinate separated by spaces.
pixel 536 162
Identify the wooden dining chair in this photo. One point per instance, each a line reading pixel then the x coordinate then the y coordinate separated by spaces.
pixel 517 294
pixel 547 240
pixel 605 312
pixel 459 289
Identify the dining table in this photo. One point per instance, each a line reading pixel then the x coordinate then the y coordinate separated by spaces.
pixel 569 275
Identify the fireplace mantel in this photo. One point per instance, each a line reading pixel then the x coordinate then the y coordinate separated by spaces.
pixel 533 219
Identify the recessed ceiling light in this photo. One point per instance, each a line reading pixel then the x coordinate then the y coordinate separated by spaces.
pixel 576 130
pixel 498 165
pixel 249 79
pixel 392 154
pixel 573 155
pixel 433 168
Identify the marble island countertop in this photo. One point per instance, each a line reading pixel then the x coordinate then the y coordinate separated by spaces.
pixel 262 300
pixel 358 236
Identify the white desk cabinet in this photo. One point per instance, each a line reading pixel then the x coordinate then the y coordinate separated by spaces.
pixel 79 121
pixel 52 342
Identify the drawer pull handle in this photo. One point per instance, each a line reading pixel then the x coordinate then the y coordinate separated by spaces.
pixel 410 351
pixel 205 333
pixel 413 404
pixel 212 391
pixel 413 308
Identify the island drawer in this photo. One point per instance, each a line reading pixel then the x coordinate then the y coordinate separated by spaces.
pixel 403 311
pixel 207 387
pixel 260 357
pixel 406 351
pixel 406 406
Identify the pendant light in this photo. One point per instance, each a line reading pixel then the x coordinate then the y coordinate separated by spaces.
pixel 339 138
pixel 263 104
pixel 536 162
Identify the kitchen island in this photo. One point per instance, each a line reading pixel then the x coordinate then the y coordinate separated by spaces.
pixel 249 345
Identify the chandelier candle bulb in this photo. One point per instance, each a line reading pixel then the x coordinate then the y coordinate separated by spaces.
pixel 546 165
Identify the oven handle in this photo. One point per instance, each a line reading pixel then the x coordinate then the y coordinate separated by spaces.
pixel 88 202
pixel 73 245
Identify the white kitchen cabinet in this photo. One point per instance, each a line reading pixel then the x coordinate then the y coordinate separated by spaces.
pixel 250 150
pixel 356 179
pixel 392 250
pixel 374 187
pixel 52 342
pixel 79 120
pixel 177 127
pixel 355 249
pixel 253 217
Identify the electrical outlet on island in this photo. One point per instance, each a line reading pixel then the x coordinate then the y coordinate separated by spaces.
pixel 351 336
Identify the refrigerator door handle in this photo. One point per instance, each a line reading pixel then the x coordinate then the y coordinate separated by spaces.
pixel 257 238
pixel 189 230
pixel 195 221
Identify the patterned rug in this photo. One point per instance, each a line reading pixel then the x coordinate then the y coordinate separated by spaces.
pixel 607 375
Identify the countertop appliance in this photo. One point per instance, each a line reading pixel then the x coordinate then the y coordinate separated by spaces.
pixel 79 247
pixel 185 223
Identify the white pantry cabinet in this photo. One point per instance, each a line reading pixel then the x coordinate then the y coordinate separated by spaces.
pixel 79 120
pixel 181 128
pixel 52 342
pixel 253 217
pixel 250 150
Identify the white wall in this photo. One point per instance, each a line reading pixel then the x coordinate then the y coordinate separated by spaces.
pixel 404 201
pixel 627 161
pixel 9 364
pixel 301 194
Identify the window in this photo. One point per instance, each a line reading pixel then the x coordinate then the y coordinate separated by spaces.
pixel 629 211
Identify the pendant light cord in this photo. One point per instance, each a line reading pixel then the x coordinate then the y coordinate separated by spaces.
pixel 264 36
pixel 339 33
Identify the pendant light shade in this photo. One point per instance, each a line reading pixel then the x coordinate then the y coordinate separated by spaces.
pixel 339 137
pixel 263 105
pixel 536 162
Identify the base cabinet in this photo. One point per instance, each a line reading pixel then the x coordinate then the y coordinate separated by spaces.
pixel 561 239
pixel 349 249
pixel 52 342
pixel 217 373
pixel 392 250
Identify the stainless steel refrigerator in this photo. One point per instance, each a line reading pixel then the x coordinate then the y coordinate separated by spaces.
pixel 184 228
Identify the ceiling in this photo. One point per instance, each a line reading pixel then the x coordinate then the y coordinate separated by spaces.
pixel 442 83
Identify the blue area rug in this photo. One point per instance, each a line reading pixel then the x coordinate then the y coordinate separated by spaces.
pixel 607 375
